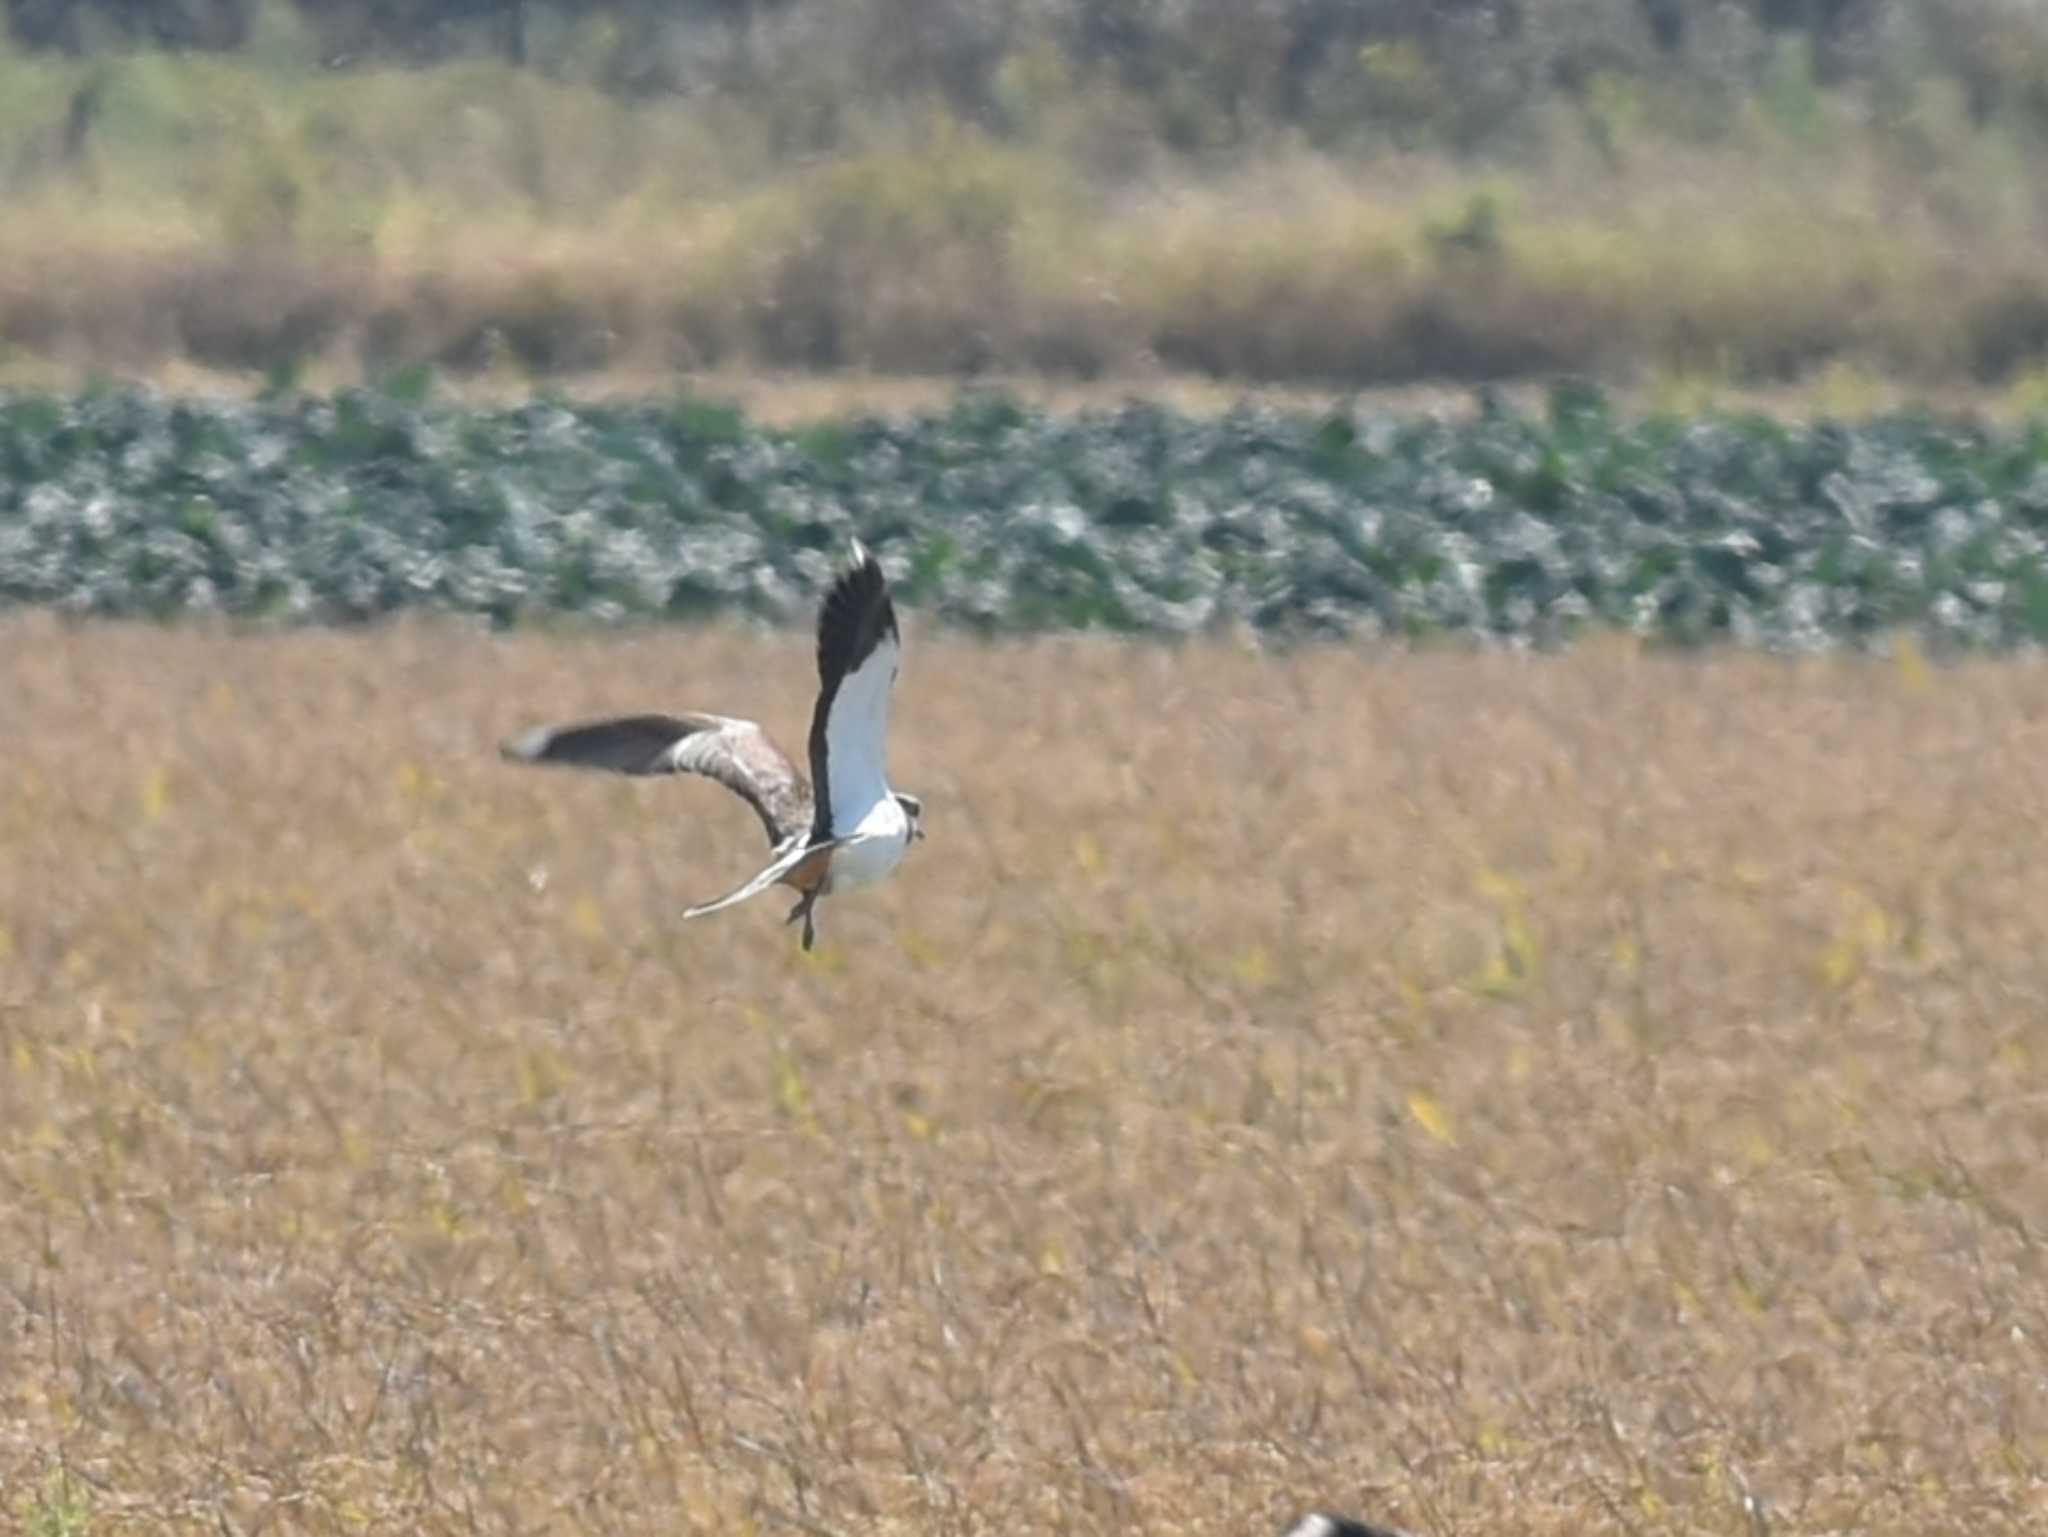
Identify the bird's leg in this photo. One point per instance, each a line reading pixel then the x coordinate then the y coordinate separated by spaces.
pixel 803 910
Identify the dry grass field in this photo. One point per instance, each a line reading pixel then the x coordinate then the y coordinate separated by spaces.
pixel 1510 1097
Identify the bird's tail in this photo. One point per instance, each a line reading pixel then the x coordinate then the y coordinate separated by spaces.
pixel 783 864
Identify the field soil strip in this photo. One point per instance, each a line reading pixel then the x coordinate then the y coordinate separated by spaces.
pixel 1591 1094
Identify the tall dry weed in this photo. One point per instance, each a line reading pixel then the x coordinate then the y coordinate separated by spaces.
pixel 1590 1094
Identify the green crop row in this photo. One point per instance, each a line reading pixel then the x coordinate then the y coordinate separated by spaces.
pixel 1506 527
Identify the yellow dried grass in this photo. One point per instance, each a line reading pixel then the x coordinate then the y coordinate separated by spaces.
pixel 1551 1096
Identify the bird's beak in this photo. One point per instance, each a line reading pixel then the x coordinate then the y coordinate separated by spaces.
pixel 917 833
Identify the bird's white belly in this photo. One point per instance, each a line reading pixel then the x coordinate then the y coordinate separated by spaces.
pixel 874 848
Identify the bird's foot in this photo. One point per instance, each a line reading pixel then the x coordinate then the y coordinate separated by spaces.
pixel 803 910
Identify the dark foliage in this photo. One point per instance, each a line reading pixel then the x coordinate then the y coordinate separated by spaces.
pixel 1503 528
pixel 1452 72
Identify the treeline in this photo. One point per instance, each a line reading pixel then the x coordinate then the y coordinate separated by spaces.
pixel 1450 73
pixel 1367 191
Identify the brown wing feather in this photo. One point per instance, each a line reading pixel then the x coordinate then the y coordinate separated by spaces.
pixel 736 753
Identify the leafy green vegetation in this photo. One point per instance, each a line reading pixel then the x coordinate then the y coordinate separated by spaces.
pixel 1502 526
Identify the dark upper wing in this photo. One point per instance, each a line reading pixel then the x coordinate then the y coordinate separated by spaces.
pixel 736 753
pixel 1318 1524
pixel 857 649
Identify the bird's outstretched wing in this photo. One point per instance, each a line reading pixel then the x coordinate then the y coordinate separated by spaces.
pixel 1317 1524
pixel 736 753
pixel 858 648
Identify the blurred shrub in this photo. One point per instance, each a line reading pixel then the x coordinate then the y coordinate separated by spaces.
pixel 1327 189
pixel 1450 74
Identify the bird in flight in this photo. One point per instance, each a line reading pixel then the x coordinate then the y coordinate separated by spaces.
pixel 1317 1524
pixel 841 829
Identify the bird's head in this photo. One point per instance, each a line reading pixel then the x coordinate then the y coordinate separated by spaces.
pixel 914 809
